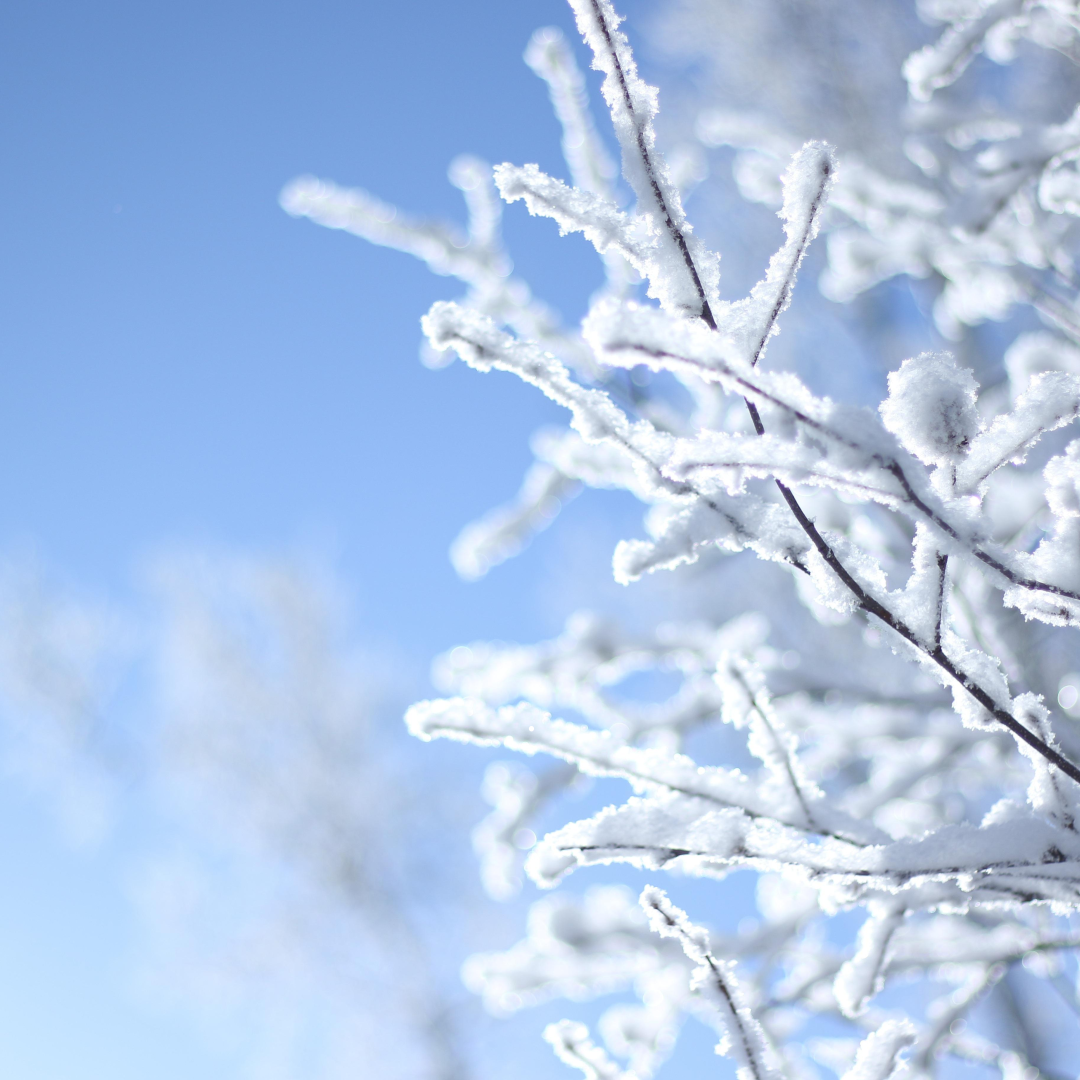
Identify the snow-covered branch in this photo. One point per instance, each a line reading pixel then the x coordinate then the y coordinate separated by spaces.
pixel 906 761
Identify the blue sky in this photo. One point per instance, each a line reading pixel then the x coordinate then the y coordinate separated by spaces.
pixel 183 363
pixel 181 358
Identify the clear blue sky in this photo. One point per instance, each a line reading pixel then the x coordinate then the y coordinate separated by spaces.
pixel 181 361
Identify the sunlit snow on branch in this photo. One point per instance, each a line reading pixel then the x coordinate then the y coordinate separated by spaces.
pixel 920 775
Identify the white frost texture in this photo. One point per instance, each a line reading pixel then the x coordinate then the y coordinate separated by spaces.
pixel 864 688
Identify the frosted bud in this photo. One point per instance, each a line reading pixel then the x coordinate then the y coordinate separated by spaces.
pixel 931 407
pixel 1062 475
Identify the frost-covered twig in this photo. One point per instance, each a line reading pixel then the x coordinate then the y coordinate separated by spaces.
pixel 530 730
pixel 633 107
pixel 745 1040
pixel 572 1045
pixel 599 419
pixel 929 517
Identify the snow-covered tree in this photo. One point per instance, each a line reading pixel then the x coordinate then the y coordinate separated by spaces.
pixel 905 683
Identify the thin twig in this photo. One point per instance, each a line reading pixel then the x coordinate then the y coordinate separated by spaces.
pixel 789 280
pixel 781 749
pixel 650 170
pixel 599 766
pixel 1002 886
pixel 750 1050
pixel 943 567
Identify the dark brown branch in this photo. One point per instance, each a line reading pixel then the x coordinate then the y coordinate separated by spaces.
pixel 867 603
pixel 871 606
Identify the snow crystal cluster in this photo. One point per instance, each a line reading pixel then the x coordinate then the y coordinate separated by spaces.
pixel 919 769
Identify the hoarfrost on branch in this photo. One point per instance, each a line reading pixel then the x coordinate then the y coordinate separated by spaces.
pixel 946 524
